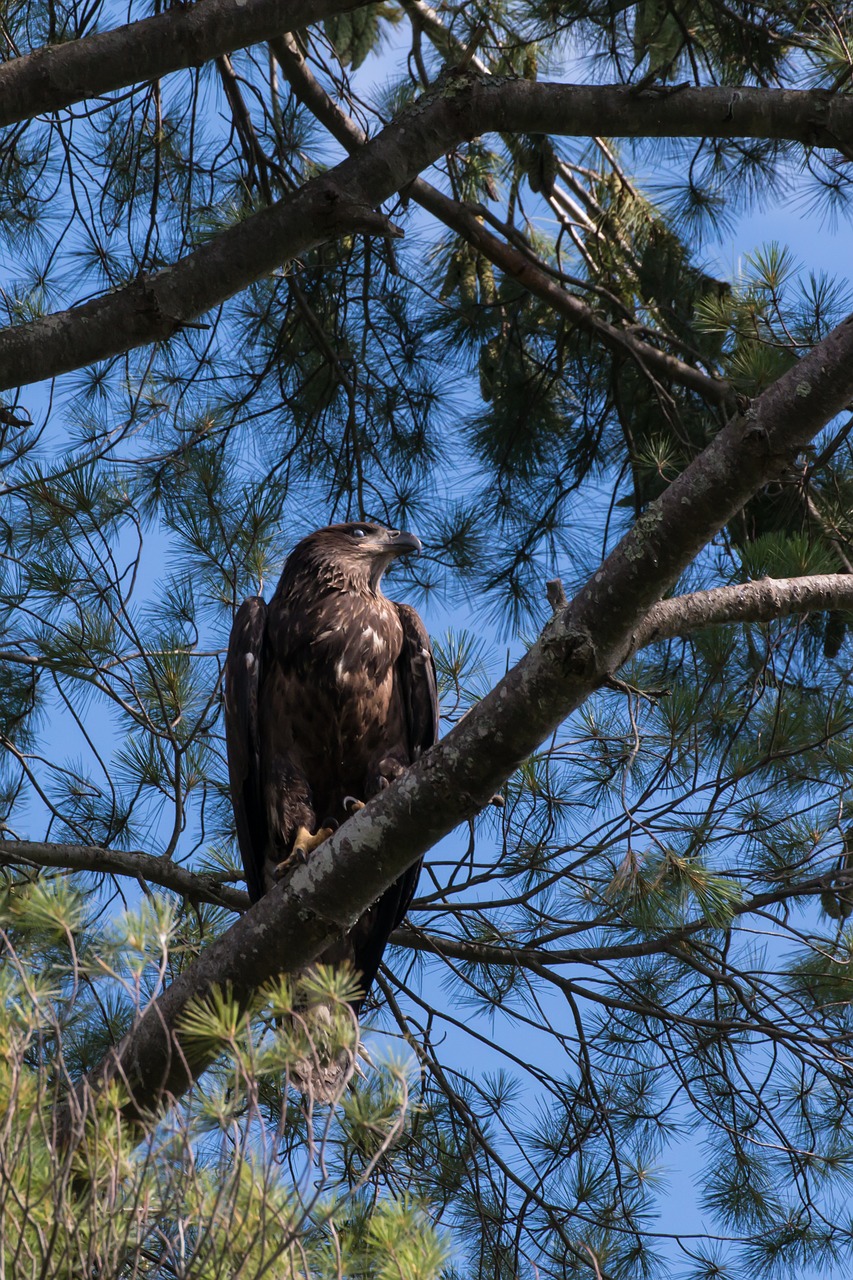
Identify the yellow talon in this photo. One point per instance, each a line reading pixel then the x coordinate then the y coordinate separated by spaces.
pixel 303 844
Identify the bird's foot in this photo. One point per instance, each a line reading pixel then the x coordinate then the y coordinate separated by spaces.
pixel 303 844
pixel 351 805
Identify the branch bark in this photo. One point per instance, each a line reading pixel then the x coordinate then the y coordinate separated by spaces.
pixel 460 106
pixel 764 600
pixel 579 647
pixel 197 886
pixel 60 75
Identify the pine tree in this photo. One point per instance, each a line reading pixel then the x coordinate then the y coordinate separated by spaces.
pixel 421 265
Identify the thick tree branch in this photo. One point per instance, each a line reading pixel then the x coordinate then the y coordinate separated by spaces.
pixel 580 646
pixel 62 74
pixel 764 600
pixel 460 106
pixel 194 885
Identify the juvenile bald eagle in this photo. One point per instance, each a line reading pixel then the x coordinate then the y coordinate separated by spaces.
pixel 330 694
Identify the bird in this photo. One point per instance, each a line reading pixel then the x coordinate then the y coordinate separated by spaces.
pixel 330 695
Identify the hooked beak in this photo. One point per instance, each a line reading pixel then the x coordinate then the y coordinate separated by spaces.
pixel 403 544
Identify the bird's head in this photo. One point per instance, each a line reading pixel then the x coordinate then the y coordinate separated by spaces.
pixel 359 550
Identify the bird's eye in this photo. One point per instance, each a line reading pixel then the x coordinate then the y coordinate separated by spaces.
pixel 359 533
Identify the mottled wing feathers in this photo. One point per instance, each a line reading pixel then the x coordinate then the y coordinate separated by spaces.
pixel 242 681
pixel 416 668
pixel 419 687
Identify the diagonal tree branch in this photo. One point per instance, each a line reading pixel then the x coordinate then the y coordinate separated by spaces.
pixel 577 650
pixel 460 106
pixel 62 74
pixel 519 267
pixel 591 215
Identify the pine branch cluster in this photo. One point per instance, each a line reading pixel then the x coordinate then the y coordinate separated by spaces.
pixel 646 949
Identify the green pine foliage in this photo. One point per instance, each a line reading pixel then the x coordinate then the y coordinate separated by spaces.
pixel 211 1193
pixel 632 978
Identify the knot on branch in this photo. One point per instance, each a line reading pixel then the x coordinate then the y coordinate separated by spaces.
pixel 571 649
pixel 346 214
pixel 556 595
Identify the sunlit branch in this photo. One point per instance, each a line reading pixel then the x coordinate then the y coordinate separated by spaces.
pixel 764 600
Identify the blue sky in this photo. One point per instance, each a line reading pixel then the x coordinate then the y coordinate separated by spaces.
pixel 818 245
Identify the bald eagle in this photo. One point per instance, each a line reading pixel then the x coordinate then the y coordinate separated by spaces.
pixel 330 694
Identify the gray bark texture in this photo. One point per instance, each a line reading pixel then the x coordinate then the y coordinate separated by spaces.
pixel 765 600
pixel 578 650
pixel 59 75
pixel 761 601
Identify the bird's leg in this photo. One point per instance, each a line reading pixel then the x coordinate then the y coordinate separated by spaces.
pixel 351 805
pixel 306 843
pixel 303 844
pixel 387 771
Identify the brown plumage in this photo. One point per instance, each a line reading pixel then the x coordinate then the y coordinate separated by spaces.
pixel 330 694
